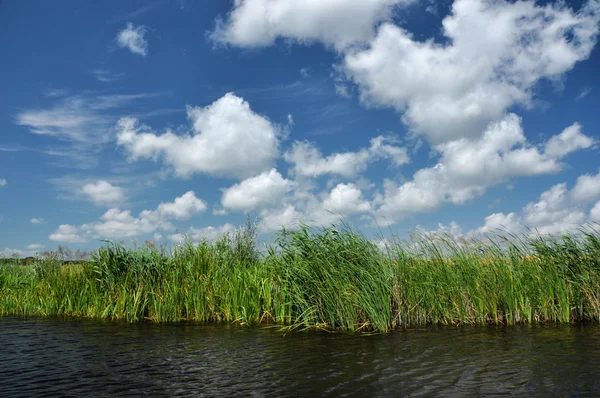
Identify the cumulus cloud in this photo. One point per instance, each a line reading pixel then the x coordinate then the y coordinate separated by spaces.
pixel 116 223
pixel 67 233
pixel 182 207
pixel 209 233
pixel 264 190
pixel 346 199
pixel 557 210
pixel 302 205
pixel 274 220
pixel 132 38
pixel 500 222
pixel 256 23
pixel 228 139
pixel 308 161
pixel 36 220
pixel 595 213
pixel 468 166
pixel 103 193
pixel 494 55
pixel 570 140
pixel 587 188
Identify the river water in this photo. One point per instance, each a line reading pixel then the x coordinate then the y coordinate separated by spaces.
pixel 54 357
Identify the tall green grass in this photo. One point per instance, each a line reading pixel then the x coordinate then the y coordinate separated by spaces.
pixel 322 278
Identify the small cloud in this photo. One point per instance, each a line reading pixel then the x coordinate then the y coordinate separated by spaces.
pixel 2 182
pixel 36 220
pixel 56 92
pixel 103 193
pixel 343 90
pixel 106 76
pixel 35 246
pixel 67 233
pixel 132 38
pixel 304 72
pixel 584 93
pixel 219 212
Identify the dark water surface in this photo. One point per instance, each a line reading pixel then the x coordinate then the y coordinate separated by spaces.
pixel 51 357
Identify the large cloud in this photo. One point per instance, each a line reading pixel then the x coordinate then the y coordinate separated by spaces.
pixel 496 51
pixel 228 139
pixel 340 23
pixel 468 166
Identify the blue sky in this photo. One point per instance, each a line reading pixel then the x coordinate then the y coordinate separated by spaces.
pixel 157 120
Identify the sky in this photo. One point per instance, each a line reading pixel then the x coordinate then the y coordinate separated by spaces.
pixel 175 119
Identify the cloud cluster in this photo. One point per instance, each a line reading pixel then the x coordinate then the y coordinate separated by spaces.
pixel 494 55
pixel 468 166
pixel 116 223
pixel 557 209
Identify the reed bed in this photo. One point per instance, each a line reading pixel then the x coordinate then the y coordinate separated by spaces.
pixel 322 278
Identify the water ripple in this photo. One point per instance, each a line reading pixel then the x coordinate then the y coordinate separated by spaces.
pixel 52 357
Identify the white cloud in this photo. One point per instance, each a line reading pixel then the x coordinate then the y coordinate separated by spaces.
pixel 468 166
pixel 229 140
pixel 2 182
pixel 595 213
pixel 494 55
pixel 36 220
pixel 305 73
pixel 121 224
pixel 209 233
pixel 85 122
pixel 587 189
pixel 132 38
pixel 286 217
pixel 301 205
pixel 346 199
pixel 309 162
pixel 583 93
pixel 340 23
pixel 116 223
pixel 106 76
pixel 102 193
pixel 500 223
pixel 557 210
pixel 551 213
pixel 453 229
pixel 67 233
pixel 266 189
pixel 570 140
pixel 35 246
pixel 182 208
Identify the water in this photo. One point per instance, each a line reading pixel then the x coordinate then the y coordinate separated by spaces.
pixel 52 357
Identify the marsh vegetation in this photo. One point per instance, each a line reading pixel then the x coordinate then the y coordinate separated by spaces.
pixel 321 278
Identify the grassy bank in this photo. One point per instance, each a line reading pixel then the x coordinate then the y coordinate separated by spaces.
pixel 321 278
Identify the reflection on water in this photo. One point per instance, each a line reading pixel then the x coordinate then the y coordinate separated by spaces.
pixel 45 357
